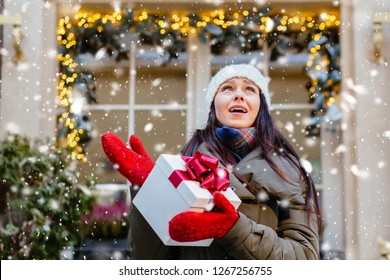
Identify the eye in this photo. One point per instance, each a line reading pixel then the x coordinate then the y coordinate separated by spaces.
pixel 226 88
pixel 250 90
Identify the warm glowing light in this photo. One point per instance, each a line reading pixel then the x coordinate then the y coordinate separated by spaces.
pixel 166 22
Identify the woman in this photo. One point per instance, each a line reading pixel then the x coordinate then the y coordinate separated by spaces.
pixel 279 216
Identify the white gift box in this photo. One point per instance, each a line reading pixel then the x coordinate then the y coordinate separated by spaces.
pixel 159 200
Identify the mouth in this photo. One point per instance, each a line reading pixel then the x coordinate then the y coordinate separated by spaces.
pixel 238 109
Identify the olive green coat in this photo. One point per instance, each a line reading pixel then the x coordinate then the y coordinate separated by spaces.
pixel 272 226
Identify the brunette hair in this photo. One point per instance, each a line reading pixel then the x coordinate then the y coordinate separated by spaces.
pixel 270 141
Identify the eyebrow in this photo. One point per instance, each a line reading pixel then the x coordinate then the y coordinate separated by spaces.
pixel 250 82
pixel 245 80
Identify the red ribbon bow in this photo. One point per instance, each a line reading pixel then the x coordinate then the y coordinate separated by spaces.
pixel 203 169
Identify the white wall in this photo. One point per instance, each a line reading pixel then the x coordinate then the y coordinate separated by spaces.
pixel 367 164
pixel 28 89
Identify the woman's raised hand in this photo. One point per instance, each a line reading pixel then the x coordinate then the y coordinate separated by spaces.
pixel 132 162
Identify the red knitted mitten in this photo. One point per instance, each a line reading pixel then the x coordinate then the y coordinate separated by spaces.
pixel 134 163
pixel 192 226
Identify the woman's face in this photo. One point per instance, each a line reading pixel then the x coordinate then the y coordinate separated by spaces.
pixel 237 103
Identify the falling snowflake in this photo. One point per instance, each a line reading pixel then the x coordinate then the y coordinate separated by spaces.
pixel 115 87
pixel 159 147
pixel 358 89
pixel 156 82
pixel 341 149
pixel 359 173
pixel 156 113
pixel 374 72
pixel 334 171
pixel 54 204
pixel 148 127
pixel 44 149
pixel 310 142
pixel 262 196
pixel 386 134
pixel 41 200
pixel 284 203
pixel 4 52
pixel 307 165
pixel 289 127
pixel 13 128
pixel 193 47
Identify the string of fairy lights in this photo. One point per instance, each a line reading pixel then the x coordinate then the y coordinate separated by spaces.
pixel 181 24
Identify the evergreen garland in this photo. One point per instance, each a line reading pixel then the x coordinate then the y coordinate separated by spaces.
pixel 246 31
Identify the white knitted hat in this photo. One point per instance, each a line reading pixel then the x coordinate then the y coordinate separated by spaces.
pixel 237 70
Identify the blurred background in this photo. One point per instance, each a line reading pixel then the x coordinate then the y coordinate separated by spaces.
pixel 73 70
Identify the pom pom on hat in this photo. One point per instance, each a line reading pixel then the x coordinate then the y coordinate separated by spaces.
pixel 239 71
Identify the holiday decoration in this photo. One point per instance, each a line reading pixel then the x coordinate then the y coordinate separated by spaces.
pixel 323 68
pixel 41 199
pixel 384 246
pixel 247 31
pixel 17 35
pixel 19 56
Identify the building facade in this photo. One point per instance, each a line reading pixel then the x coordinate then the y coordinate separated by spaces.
pixel 140 95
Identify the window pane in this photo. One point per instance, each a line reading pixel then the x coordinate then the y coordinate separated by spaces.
pixel 112 85
pixel 98 164
pixel 288 86
pixel 292 125
pixel 161 85
pixel 161 131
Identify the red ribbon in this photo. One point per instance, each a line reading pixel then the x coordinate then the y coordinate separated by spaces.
pixel 203 169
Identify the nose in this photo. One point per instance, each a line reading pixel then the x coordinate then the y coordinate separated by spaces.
pixel 239 96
